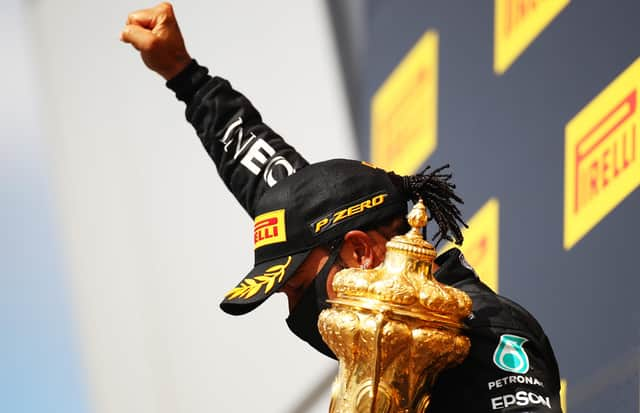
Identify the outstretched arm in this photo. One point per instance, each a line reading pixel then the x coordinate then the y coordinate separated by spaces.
pixel 249 156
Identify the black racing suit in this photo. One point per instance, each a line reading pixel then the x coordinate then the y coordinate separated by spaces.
pixel 511 366
pixel 517 376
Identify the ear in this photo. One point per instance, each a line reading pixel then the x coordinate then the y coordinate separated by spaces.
pixel 358 250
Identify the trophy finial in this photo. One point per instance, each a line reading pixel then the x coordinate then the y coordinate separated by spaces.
pixel 418 218
pixel 412 243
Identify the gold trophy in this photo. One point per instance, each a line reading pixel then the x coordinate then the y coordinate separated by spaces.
pixel 394 328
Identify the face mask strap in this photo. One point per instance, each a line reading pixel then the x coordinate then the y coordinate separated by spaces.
pixel 320 283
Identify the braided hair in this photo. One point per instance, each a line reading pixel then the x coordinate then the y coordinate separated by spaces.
pixel 438 194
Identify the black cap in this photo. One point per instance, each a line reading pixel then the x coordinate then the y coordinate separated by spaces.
pixel 313 207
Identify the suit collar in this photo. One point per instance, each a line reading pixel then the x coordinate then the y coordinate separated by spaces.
pixel 453 267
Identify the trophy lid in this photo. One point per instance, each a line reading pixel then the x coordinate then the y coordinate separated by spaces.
pixel 412 243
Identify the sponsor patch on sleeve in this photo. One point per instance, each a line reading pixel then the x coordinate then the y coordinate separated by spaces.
pixel 256 154
pixel 510 355
pixel 521 399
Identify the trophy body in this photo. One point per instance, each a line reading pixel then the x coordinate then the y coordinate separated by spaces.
pixel 394 328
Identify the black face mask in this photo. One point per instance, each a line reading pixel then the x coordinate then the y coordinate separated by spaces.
pixel 303 319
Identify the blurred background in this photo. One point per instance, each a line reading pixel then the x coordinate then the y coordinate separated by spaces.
pixel 118 239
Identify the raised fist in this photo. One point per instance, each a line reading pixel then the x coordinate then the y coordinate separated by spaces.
pixel 155 33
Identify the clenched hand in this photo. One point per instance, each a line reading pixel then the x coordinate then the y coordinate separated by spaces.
pixel 155 33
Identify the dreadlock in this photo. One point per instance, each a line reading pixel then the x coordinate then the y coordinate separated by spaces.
pixel 438 194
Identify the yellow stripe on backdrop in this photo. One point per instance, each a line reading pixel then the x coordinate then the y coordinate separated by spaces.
pixel 404 112
pixel 563 395
pixel 517 23
pixel 481 242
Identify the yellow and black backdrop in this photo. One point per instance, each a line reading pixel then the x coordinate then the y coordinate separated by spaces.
pixel 534 103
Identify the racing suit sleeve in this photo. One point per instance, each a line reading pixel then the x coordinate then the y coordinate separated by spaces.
pixel 249 156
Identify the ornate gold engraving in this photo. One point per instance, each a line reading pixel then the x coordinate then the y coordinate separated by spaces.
pixel 394 328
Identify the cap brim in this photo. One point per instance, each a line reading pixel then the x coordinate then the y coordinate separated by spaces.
pixel 263 280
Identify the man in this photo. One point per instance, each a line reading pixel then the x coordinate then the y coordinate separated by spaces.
pixel 313 220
